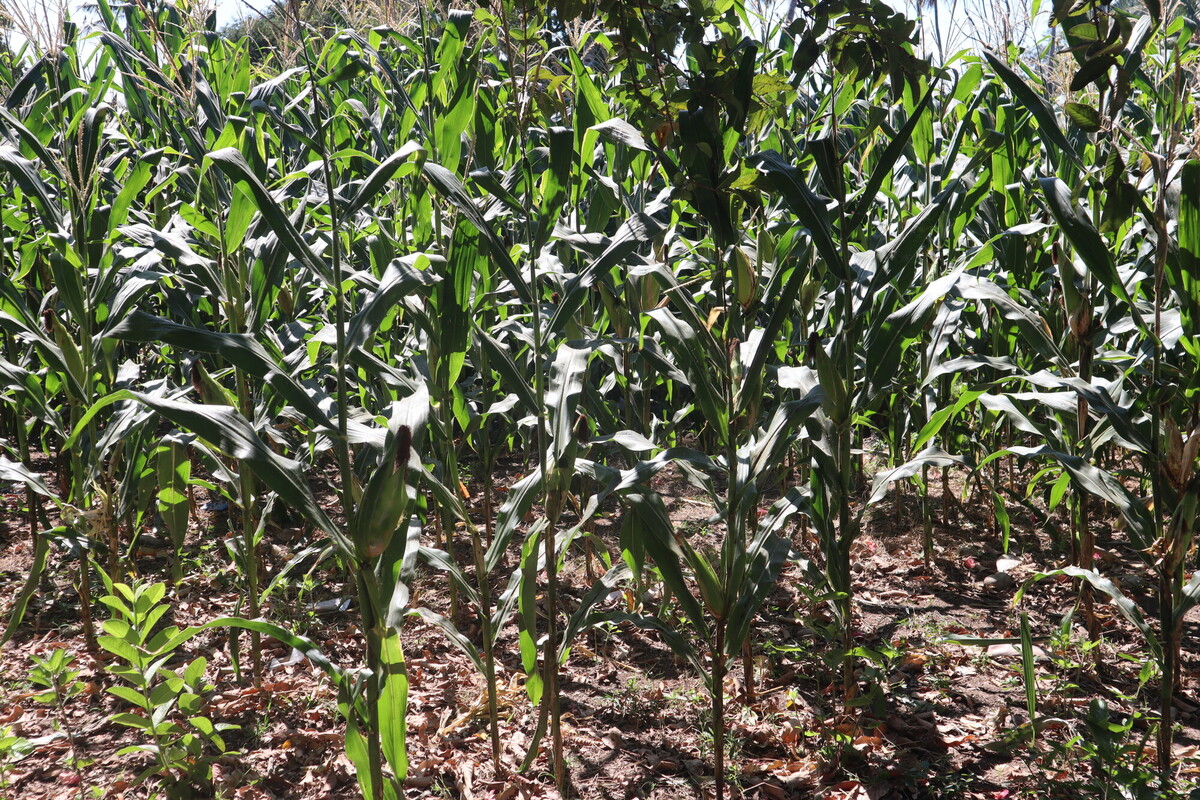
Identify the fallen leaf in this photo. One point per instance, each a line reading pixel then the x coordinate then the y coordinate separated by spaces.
pixel 1014 651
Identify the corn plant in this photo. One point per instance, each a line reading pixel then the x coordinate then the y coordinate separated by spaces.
pixel 610 243
pixel 1136 410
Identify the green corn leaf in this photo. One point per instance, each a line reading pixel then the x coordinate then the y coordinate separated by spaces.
pixel 1028 673
pixel 403 561
pixel 943 415
pixel 1034 329
pixel 1084 238
pixel 757 571
pixel 894 262
pixel 1035 104
pixel 188 264
pixel 700 358
pixel 1184 271
pixel 579 618
pixel 174 471
pixel 590 107
pixel 782 314
pixel 72 359
pixel 233 164
pixel 887 163
pixel 230 432
pixel 439 560
pixel 16 472
pixel 452 634
pixel 835 392
pixel 634 231
pixel 527 616
pixel 28 386
pixel 25 173
pixel 500 359
pixel 356 751
pixel 521 497
pixel 693 461
pixel 29 588
pixel 1189 597
pixel 807 206
pixel 758 459
pixel 562 400
pixel 704 572
pixel 241 350
pixel 673 639
pixel 455 117
pixel 404 277
pixel 619 131
pixel 1102 484
pixel 465 261
pixel 1123 604
pixel 27 138
pixel 450 187
pixel 658 537
pixel 393 705
pixel 555 182
pixel 930 457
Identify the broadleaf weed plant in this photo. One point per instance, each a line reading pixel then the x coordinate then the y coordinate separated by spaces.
pixel 53 673
pixel 168 703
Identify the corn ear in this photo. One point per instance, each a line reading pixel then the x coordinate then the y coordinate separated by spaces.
pixel 837 396
pixel 384 501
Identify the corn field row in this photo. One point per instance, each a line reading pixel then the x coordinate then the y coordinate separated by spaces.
pixel 804 272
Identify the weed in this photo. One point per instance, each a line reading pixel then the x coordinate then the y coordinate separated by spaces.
pixel 13 748
pixel 54 674
pixel 168 703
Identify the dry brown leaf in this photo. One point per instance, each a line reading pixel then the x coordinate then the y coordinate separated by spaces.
pixel 959 741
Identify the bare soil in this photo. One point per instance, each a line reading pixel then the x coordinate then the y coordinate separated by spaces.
pixel 934 716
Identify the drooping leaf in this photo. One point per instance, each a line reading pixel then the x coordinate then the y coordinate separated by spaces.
pixel 231 433
pixel 1084 237
pixel 29 588
pixel 450 187
pixel 1035 104
pixel 241 350
pixel 234 165
pixel 930 457
pixel 1127 607
pixel 1102 484
pixel 806 205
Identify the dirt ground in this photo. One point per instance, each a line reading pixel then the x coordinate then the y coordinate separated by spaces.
pixel 934 717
